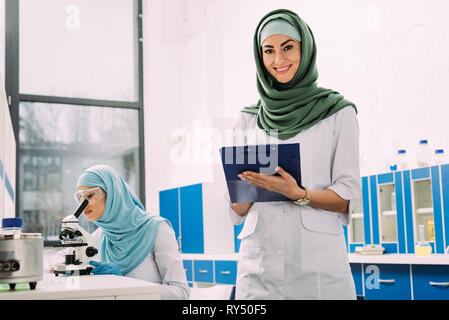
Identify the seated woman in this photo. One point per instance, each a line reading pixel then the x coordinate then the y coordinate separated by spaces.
pixel 131 242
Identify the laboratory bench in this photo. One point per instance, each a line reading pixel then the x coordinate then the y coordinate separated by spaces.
pixel 93 287
pixel 376 277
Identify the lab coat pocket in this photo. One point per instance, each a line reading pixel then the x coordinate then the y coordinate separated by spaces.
pixel 323 221
pixel 323 246
pixel 249 226
pixel 249 253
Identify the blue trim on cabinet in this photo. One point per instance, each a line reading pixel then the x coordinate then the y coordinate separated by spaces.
pixel 400 212
pixel 437 214
pixel 445 191
pixel 408 212
pixel 352 246
pixel 420 173
pixel 390 247
pixel 374 209
pixel 385 178
pixel 366 210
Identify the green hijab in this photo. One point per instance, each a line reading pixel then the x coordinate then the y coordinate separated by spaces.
pixel 286 109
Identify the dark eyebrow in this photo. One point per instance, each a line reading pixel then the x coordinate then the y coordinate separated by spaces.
pixel 282 44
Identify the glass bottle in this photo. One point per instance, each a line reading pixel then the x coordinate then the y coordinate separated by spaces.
pixel 423 154
pixel 422 247
pixel 12 228
pixel 402 160
pixel 438 157
pixel 393 201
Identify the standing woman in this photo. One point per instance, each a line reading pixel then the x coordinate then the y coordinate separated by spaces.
pixel 296 249
pixel 131 242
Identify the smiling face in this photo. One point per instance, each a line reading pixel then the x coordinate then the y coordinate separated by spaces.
pixel 97 201
pixel 281 56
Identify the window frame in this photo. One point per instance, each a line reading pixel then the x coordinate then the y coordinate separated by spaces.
pixel 14 97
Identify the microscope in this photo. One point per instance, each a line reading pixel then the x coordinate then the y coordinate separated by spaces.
pixel 72 235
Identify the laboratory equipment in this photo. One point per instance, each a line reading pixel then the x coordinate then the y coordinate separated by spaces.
pixel 402 160
pixel 439 157
pixel 423 156
pixel 422 247
pixel 21 255
pixel 72 235
pixel 370 249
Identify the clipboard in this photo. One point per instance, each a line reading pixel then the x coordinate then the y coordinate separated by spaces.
pixel 262 159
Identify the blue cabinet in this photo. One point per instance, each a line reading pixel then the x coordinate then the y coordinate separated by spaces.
pixel 356 269
pixel 203 271
pixel 191 211
pixel 387 282
pixel 188 268
pixel 387 211
pixel 184 208
pixel 169 208
pixel 358 232
pixel 430 282
pixel 225 271
pixel 421 198
pixel 237 230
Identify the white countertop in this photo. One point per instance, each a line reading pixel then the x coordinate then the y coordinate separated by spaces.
pixel 210 256
pixel 87 287
pixel 389 258
pixel 393 258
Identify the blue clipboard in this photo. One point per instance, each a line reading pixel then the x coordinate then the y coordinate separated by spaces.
pixel 258 158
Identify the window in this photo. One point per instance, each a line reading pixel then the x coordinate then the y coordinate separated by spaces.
pixel 80 49
pixel 79 101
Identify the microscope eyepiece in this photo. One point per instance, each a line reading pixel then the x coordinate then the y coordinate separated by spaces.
pixel 80 208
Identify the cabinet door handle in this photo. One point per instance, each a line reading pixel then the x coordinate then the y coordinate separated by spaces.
pixel 202 271
pixel 225 272
pixel 387 281
pixel 443 284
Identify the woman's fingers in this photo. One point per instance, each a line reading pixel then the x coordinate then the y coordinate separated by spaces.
pixel 284 174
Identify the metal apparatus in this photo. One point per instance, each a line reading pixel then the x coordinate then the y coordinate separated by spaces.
pixel 74 236
pixel 21 259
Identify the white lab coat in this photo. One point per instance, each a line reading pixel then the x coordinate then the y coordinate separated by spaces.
pixel 293 252
pixel 162 265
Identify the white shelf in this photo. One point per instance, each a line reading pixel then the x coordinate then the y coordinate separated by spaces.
pixel 391 258
pixel 424 210
pixel 387 258
pixel 389 213
pixel 210 256
pixel 357 215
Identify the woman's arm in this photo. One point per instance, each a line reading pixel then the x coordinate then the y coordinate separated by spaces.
pixel 327 200
pixel 169 263
pixel 345 188
pixel 286 185
pixel 241 208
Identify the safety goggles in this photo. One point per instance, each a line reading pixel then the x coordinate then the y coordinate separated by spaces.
pixel 92 195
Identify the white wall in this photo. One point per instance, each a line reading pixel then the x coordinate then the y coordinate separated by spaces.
pixel 389 57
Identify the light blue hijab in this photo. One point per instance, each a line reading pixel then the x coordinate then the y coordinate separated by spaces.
pixel 128 231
